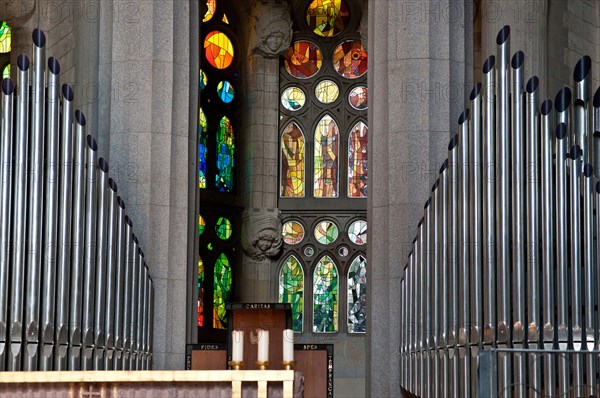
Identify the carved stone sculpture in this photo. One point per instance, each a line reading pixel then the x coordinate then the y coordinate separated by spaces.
pixel 272 28
pixel 261 233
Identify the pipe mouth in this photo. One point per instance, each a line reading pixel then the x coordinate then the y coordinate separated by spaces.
pixel 444 166
pixel 517 60
pixel 112 184
pixel 597 134
pixel 420 223
pixel 80 117
pixel 8 87
pixel 453 142
pixel 53 65
pixel 582 69
pixel 415 240
pixel 67 92
pixel 489 64
pixel 475 92
pixel 463 116
pixel 576 152
pixel 579 102
pixel 39 38
pixel 120 202
pixel 598 187
pixel 23 62
pixel 588 170
pixel 563 99
pixel 546 107
pixel 436 184
pixel 503 35
pixel 102 163
pixel 135 240
pixel 597 98
pixel 532 84
pixel 128 221
pixel 427 203
pixel 92 143
pixel 140 251
pixel 561 131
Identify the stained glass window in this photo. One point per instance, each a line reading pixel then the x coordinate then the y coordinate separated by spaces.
pixel 212 6
pixel 6 72
pixel 325 296
pixel 357 295
pixel 202 79
pixel 327 91
pixel 350 59
pixel 218 49
pixel 225 91
pixel 327 17
pixel 357 161
pixel 222 291
pixel 202 149
pixel 201 224
pixel 358 98
pixel 200 292
pixel 326 158
pixel 291 289
pixel 326 232
pixel 225 19
pixel 358 232
pixel 293 232
pixel 303 60
pixel 292 163
pixel 225 156
pixel 293 98
pixel 5 38
pixel 223 228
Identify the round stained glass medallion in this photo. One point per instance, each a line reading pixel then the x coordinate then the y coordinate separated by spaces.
pixel 218 49
pixel 201 225
pixel 326 232
pixel 327 17
pixel 350 59
pixel 225 91
pixel 303 59
pixel 309 251
pixel 293 98
pixel 358 232
pixel 223 228
pixel 343 251
pixel 358 98
pixel 293 232
pixel 327 91
pixel 203 80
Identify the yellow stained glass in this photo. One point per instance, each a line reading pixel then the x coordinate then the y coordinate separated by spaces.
pixel 292 161
pixel 5 38
pixel 225 19
pixel 212 7
pixel 6 72
pixel 326 151
pixel 218 49
pixel 327 17
pixel 327 91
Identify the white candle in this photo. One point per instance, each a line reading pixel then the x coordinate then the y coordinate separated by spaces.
pixel 238 346
pixel 288 345
pixel 263 345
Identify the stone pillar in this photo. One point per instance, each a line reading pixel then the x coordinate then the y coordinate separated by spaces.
pixel 416 84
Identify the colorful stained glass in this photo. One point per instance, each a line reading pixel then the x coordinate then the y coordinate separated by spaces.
pixel 358 98
pixel 326 232
pixel 309 251
pixel 327 91
pixel 293 232
pixel 212 7
pixel 225 91
pixel 218 49
pixel 327 17
pixel 225 19
pixel 292 161
pixel 200 292
pixel 357 295
pixel 357 161
pixel 325 297
pixel 225 156
pixel 303 60
pixel 291 289
pixel 202 149
pixel 293 98
pixel 201 225
pixel 326 159
pixel 358 232
pixel 222 291
pixel 5 38
pixel 350 59
pixel 203 80
pixel 223 228
pixel 6 72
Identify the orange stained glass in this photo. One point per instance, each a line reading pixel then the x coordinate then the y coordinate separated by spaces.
pixel 303 60
pixel 293 232
pixel 292 161
pixel 357 161
pixel 212 7
pixel 218 49
pixel 350 59
pixel 326 158
pixel 225 19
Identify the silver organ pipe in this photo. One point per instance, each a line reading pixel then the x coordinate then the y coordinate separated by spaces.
pixel 506 258
pixel 66 241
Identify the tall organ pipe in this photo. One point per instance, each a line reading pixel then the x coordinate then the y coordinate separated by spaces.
pixel 453 265
pixel 130 249
pixel 120 285
pixel 582 136
pixel 443 272
pixel 589 270
pixel 111 275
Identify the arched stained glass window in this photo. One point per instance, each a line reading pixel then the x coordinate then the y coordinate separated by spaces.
pixel 202 149
pixel 200 292
pixel 326 158
pixel 357 295
pixel 222 291
pixel 357 161
pixel 292 161
pixel 325 296
pixel 291 289
pixel 225 156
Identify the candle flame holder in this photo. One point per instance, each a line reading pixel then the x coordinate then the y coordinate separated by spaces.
pixel 288 365
pixel 263 365
pixel 237 365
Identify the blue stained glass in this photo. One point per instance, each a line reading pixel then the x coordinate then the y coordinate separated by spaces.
pixel 225 156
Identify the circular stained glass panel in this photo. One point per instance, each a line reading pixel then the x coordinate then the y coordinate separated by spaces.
pixel 350 59
pixel 225 91
pixel 223 228
pixel 293 232
pixel 327 17
pixel 326 232
pixel 218 49
pixel 203 80
pixel 358 232
pixel 293 98
pixel 358 98
pixel 309 251
pixel 327 91
pixel 201 225
pixel 303 59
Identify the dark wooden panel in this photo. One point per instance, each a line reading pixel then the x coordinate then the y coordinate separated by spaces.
pixel 315 362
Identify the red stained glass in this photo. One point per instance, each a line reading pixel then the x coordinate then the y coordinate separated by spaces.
pixel 303 60
pixel 218 49
pixel 350 59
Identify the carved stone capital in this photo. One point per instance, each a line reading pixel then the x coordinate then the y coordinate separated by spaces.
pixel 272 33
pixel 261 233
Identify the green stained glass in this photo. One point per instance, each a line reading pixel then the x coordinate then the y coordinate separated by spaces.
pixel 203 79
pixel 201 225
pixel 202 149
pixel 209 246
pixel 222 291
pixel 357 295
pixel 291 289
pixel 5 38
pixel 200 292
pixel 292 161
pixel 358 232
pixel 225 156
pixel 223 228
pixel 326 232
pixel 357 161
pixel 327 91
pixel 327 17
pixel 6 72
pixel 325 297
pixel 326 158
pixel 293 98
pixel 225 91
pixel 293 232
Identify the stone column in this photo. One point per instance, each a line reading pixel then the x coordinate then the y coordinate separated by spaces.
pixel 417 61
